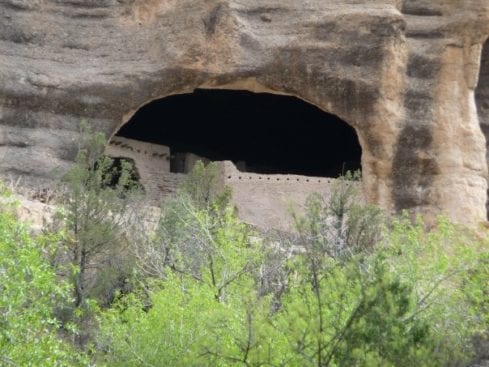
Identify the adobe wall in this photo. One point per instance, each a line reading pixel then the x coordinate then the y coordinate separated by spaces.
pixel 268 201
pixel 152 165
pixel 265 201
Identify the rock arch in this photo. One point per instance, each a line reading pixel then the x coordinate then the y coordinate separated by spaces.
pixel 263 132
pixel 282 147
pixel 354 102
pixel 396 71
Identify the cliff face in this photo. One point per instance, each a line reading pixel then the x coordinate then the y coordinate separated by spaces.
pixel 402 73
pixel 482 98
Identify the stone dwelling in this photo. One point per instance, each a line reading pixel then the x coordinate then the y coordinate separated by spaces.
pixel 264 200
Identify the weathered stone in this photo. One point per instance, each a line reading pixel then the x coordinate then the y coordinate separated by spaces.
pixel 482 98
pixel 402 73
pixel 266 201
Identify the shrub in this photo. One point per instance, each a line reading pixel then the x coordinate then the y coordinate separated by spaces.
pixel 29 292
pixel 447 269
pixel 200 267
pixel 99 208
pixel 355 292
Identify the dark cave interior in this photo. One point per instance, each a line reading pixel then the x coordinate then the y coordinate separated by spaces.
pixel 270 133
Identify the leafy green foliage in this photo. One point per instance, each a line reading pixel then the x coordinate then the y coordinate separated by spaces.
pixel 348 289
pixel 201 261
pixel 339 226
pixel 355 292
pixel 29 293
pixel 345 305
pixel 99 208
pixel 97 214
pixel 447 269
pixel 355 314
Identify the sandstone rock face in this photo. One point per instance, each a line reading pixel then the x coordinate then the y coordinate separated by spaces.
pixel 404 74
pixel 482 98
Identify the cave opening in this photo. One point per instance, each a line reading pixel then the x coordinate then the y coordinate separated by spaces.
pixel 260 132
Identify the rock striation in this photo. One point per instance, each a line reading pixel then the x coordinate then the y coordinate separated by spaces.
pixel 406 74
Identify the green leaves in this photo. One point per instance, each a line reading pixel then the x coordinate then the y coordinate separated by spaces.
pixel 356 292
pixel 29 293
pixel 348 289
pixel 99 213
pixel 444 266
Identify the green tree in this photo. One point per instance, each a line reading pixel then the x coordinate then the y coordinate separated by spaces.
pixel 199 234
pixel 199 277
pixel 354 291
pixel 99 208
pixel 447 269
pixel 29 293
pixel 344 305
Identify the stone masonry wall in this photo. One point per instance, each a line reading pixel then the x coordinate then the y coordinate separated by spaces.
pixel 265 201
pixel 268 201
pixel 152 164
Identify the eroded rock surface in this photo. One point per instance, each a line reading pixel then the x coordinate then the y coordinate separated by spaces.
pixel 402 73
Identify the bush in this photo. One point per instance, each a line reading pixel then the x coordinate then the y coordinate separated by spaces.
pixel 348 288
pixel 99 209
pixel 357 291
pixel 447 269
pixel 97 213
pixel 200 267
pixel 29 292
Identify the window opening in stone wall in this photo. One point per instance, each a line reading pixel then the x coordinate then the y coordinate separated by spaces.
pixel 115 172
pixel 260 132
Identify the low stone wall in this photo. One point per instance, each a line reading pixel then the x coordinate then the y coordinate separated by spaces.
pixel 266 201
pixel 152 164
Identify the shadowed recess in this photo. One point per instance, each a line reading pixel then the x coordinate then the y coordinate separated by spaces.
pixel 482 101
pixel 260 132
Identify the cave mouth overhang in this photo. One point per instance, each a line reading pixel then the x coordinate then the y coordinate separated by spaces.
pixel 259 132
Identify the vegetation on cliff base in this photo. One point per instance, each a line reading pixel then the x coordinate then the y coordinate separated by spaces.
pixel 328 296
pixel 348 288
pixel 30 292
